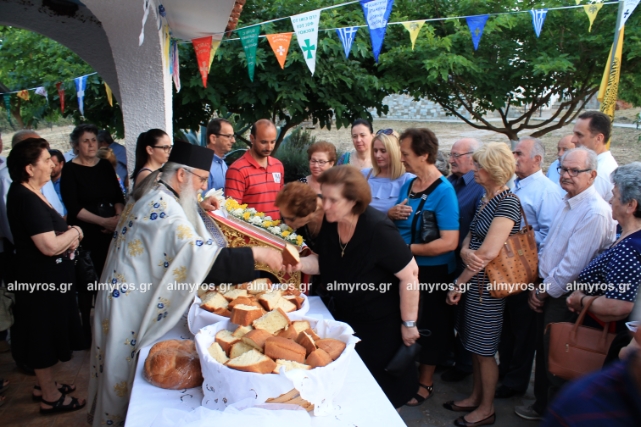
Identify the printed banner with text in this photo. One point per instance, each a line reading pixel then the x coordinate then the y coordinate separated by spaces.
pixel 377 14
pixel 249 39
pixel 202 46
pixel 306 28
pixel 280 46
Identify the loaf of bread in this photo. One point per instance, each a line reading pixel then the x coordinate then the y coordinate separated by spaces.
pixel 213 301
pixel 272 322
pixel 282 348
pixel 331 346
pixel 290 255
pixel 174 365
pixel 238 349
pixel 252 361
pixel 256 339
pixel 217 352
pixel 225 339
pixel 289 366
pixel 244 315
pixel 318 358
pixel 306 341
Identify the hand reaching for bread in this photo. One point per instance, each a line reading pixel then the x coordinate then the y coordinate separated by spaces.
pixel 268 256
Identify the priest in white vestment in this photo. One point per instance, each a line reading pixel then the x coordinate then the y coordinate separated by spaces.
pixel 160 243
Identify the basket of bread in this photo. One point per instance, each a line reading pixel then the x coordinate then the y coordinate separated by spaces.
pixel 272 359
pixel 214 304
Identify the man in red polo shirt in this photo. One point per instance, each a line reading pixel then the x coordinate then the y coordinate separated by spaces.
pixel 256 177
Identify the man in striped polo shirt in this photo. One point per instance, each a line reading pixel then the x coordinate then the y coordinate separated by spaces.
pixel 256 177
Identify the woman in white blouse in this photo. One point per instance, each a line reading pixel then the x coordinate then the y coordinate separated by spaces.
pixel 387 174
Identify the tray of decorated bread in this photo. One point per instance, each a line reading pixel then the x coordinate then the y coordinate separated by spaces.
pixel 213 304
pixel 273 359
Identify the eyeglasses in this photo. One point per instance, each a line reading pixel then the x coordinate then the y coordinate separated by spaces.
pixel 319 162
pixel 286 218
pixel 165 148
pixel 202 180
pixel 572 172
pixel 456 156
pixel 230 136
pixel 385 131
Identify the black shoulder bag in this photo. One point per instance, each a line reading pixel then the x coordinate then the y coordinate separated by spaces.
pixel 429 227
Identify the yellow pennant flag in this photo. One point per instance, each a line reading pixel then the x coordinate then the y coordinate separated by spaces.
pixel 109 95
pixel 592 10
pixel 166 44
pixel 413 27
pixel 578 1
pixel 608 91
pixel 215 44
pixel 24 94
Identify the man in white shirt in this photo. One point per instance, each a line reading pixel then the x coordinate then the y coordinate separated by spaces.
pixel 582 230
pixel 592 130
pixel 541 200
pixel 562 146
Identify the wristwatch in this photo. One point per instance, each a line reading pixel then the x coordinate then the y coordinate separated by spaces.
pixel 409 323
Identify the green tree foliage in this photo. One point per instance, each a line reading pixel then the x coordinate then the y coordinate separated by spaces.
pixel 340 90
pixel 512 68
pixel 29 60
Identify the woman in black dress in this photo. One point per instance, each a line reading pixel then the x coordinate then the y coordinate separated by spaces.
pixel 481 320
pixel 90 190
pixel 47 327
pixel 370 275
pixel 152 151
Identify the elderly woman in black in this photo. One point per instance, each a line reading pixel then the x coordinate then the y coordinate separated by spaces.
pixel 47 327
pixel 90 191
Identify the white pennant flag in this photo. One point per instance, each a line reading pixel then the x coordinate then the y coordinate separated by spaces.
pixel 306 28
pixel 628 8
pixel 42 92
pixel 145 7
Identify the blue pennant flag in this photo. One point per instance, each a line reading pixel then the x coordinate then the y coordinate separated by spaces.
pixel 538 18
pixel 377 13
pixel 81 85
pixel 476 25
pixel 347 36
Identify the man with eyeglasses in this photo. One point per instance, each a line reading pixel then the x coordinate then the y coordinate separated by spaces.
pixel 468 194
pixel 582 230
pixel 257 177
pixel 541 200
pixel 220 139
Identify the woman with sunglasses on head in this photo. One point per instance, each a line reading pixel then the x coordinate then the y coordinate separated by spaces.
pixel 362 135
pixel 152 151
pixel 387 174
pixel 321 156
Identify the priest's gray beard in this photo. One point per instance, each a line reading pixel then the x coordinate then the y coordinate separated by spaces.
pixel 189 202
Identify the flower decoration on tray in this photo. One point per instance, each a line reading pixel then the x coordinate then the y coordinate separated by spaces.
pixel 260 220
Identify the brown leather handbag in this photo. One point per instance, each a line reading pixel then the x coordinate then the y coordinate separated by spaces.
pixel 516 267
pixel 576 350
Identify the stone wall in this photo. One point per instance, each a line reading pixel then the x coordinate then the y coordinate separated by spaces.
pixel 403 107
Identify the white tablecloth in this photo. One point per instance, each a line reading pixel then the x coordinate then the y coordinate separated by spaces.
pixel 362 400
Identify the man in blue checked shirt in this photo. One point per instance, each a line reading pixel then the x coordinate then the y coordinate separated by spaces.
pixel 220 139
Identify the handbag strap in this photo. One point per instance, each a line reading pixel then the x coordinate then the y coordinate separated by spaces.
pixel 579 321
pixel 424 197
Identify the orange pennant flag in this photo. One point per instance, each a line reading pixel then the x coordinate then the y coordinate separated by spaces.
pixel 24 94
pixel 202 46
pixel 280 46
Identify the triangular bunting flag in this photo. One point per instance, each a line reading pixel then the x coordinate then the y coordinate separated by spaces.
pixel 592 10
pixel 413 27
pixel 280 46
pixel 110 98
pixel 42 92
pixel 476 25
pixel 306 28
pixel 24 94
pixel 628 8
pixel 166 46
pixel 81 85
pixel 249 39
pixel 215 44
pixel 347 36
pixel 538 18
pixel 608 91
pixel 377 13
pixel 578 2
pixel 175 65
pixel 145 9
pixel 61 95
pixel 202 46
pixel 7 106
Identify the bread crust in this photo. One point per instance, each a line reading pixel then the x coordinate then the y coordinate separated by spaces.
pixel 244 315
pixel 174 365
pixel 256 338
pixel 332 347
pixel 282 348
pixel 318 359
pixel 263 365
pixel 306 341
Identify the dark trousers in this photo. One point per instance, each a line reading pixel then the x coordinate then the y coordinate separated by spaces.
pixel 547 385
pixel 518 342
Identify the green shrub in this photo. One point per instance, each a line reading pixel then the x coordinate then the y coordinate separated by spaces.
pixel 293 154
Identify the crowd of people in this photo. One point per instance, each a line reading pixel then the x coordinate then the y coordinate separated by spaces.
pixel 394 213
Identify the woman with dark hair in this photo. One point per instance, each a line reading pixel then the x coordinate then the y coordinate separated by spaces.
pixel 358 245
pixel 321 156
pixel 429 202
pixel 47 326
pixel 152 151
pixel 93 198
pixel 302 209
pixel 360 156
